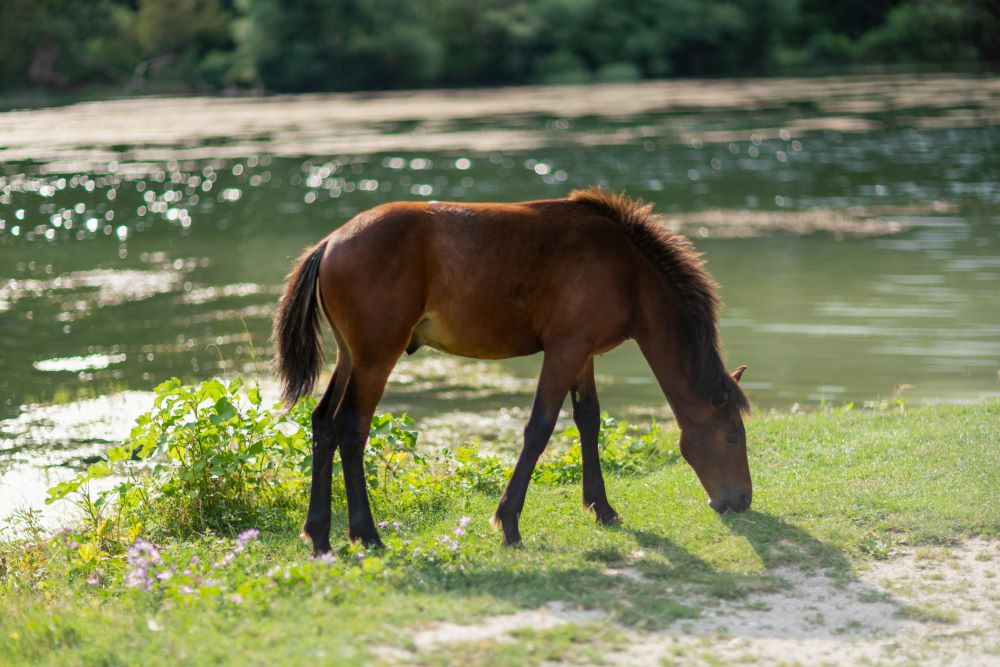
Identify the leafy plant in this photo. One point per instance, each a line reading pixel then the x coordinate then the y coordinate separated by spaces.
pixel 204 457
pixel 392 448
pixel 212 458
pixel 624 449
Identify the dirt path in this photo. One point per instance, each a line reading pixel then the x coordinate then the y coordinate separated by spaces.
pixel 926 606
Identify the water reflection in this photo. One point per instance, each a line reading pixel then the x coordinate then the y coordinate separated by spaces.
pixel 170 265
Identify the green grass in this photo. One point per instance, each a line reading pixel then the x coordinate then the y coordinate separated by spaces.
pixel 831 489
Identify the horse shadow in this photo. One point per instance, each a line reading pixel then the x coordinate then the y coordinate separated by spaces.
pixel 803 588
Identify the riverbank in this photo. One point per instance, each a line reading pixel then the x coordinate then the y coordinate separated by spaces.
pixel 139 133
pixel 884 512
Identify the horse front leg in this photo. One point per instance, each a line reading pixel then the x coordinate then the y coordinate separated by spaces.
pixel 587 416
pixel 559 367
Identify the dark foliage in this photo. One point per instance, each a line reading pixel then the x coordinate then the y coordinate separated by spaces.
pixel 302 45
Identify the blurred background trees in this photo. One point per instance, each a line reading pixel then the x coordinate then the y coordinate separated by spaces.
pixel 307 45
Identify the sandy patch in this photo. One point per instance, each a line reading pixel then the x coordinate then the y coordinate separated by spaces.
pixel 924 606
pixel 927 607
pixel 496 627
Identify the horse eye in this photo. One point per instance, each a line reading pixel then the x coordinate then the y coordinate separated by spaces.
pixel 732 439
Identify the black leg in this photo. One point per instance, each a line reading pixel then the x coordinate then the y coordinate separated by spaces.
pixel 317 525
pixel 352 424
pixel 558 370
pixel 361 523
pixel 587 416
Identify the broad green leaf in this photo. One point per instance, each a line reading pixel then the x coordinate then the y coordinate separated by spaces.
pixel 87 552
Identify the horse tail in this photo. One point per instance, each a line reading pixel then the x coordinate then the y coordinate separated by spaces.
pixel 297 335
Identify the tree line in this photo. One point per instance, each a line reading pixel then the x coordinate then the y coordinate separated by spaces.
pixel 313 45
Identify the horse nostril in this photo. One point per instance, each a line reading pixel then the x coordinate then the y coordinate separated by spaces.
pixel 743 503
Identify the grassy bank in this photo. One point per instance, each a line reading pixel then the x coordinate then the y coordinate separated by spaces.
pixel 170 566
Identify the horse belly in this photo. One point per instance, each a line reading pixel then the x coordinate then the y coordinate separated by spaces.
pixel 478 338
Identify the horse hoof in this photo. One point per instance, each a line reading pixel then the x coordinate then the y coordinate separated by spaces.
pixel 513 542
pixel 369 539
pixel 321 549
pixel 605 516
pixel 369 542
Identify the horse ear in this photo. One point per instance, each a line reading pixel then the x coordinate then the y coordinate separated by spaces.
pixel 738 373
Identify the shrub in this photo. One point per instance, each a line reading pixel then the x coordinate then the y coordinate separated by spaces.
pixel 206 457
pixel 928 32
pixel 561 67
pixel 617 73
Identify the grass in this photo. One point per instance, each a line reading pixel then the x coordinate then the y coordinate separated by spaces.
pixel 831 489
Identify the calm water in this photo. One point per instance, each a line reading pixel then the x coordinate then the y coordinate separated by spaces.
pixel 120 275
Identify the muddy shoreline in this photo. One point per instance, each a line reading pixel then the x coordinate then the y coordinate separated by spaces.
pixel 89 135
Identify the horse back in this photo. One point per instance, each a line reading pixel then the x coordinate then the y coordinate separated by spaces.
pixel 484 280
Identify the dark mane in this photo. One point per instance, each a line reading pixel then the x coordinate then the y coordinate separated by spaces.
pixel 683 268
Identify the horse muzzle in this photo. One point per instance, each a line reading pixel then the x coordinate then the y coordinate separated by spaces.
pixel 737 502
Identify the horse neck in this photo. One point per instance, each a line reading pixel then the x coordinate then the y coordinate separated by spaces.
pixel 665 347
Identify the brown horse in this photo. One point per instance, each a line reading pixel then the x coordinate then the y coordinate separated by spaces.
pixel 570 277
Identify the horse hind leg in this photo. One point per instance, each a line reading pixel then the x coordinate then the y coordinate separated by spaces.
pixel 587 416
pixel 352 425
pixel 317 524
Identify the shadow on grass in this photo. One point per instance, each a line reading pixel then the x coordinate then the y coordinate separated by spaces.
pixel 660 581
pixel 781 544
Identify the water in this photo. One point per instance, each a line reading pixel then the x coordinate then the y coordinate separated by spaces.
pixel 136 245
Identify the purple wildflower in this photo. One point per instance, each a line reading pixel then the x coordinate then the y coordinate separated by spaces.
pixel 325 557
pixel 227 560
pixel 382 525
pixel 396 526
pixel 242 540
pixel 143 548
pixel 459 532
pixel 248 535
pixel 245 538
pixel 141 558
pixel 464 521
pixel 94 579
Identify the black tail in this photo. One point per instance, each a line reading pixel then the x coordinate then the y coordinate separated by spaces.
pixel 297 334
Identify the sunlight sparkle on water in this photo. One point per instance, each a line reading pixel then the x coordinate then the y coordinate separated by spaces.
pixel 76 364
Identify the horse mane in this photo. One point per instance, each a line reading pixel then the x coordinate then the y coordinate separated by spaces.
pixel 682 266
